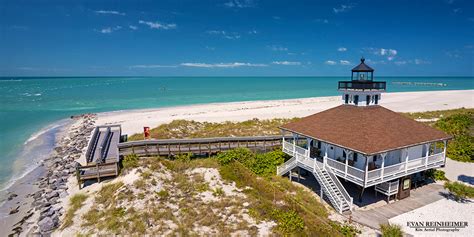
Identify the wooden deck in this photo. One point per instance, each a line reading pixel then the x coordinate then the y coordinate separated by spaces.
pixel 198 146
pixel 418 197
pixel 102 155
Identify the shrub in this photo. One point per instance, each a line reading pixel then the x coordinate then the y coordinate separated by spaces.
pixel 185 157
pixel 345 229
pixel 459 190
pixel 130 161
pixel 461 148
pixel 288 221
pixel 243 155
pixel 436 174
pixel 266 164
pixel 218 192
pixel 389 230
pixel 163 194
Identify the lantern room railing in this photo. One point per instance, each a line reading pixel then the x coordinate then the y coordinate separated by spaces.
pixel 362 85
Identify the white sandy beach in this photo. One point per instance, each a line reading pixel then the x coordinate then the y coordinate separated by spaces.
pixel 133 121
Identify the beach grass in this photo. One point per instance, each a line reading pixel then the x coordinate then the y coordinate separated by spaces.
pixel 75 203
pixel 389 230
pixel 169 197
pixel 194 129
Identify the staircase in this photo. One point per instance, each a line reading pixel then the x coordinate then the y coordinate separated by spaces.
pixel 331 187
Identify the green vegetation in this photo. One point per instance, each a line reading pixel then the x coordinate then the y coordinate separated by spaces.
pixel 296 211
pixel 389 230
pixel 193 129
pixel 261 164
pixel 461 127
pixel 457 122
pixel 459 190
pixel 436 174
pixel 130 161
pixel 346 229
pixel 105 195
pixel 437 113
pixel 75 202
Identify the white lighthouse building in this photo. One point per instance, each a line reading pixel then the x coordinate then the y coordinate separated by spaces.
pixel 363 143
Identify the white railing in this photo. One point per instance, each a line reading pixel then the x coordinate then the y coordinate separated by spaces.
pixel 405 168
pixel 436 158
pixel 289 164
pixel 387 188
pixel 339 168
pixel 301 158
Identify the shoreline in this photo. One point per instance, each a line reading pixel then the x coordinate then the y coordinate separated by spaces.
pixel 132 121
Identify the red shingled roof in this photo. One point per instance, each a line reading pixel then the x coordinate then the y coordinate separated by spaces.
pixel 368 130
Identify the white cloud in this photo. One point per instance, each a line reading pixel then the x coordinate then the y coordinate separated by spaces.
pixel 286 63
pixel 415 61
pixel 276 18
pixel 222 65
pixel 109 30
pixel 133 27
pixel 158 25
pixel 390 54
pixel 457 10
pixel 224 34
pixel 277 48
pixel 240 4
pixel 344 62
pixel 252 32
pixel 108 12
pixel 342 49
pixel 342 8
pixel 153 66
pixel 330 62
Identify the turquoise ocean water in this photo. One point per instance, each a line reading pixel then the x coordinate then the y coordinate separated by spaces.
pixel 29 106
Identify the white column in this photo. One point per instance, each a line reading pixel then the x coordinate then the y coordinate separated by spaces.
pixel 427 153
pixel 294 144
pixel 308 140
pixel 445 142
pixel 348 153
pixel 325 145
pixel 366 170
pixel 406 160
pixel 383 155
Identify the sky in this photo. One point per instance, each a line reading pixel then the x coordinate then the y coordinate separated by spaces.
pixel 235 37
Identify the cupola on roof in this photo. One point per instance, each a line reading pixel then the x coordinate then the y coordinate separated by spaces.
pixel 362 67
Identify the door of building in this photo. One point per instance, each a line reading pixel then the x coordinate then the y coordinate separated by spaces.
pixel 405 186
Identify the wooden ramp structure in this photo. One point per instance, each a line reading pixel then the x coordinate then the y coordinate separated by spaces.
pixel 198 146
pixel 102 155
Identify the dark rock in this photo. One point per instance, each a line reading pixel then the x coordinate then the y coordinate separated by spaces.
pixel 46 224
pixel 11 196
pixel 14 210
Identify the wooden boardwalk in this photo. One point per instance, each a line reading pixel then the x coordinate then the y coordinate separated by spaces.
pixel 418 197
pixel 198 146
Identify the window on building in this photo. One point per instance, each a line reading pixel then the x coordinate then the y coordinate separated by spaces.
pixel 356 99
pixel 355 157
pixel 376 100
pixel 346 98
pixel 368 100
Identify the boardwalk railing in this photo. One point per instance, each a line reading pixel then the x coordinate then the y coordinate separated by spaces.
pixel 198 146
pixel 96 171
